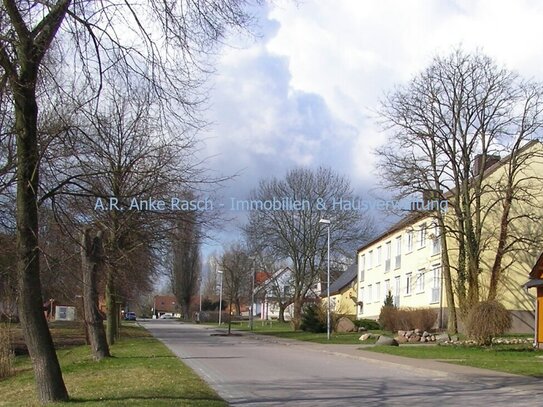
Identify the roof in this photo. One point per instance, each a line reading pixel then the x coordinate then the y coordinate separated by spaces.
pixel 537 271
pixel 413 217
pixel 165 303
pixel 344 279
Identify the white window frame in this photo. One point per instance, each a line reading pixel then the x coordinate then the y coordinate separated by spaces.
pixel 408 282
pixel 377 292
pixel 422 236
pixel 410 241
pixel 420 281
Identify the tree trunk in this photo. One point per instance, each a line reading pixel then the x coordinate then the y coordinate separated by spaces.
pixel 282 308
pixel 111 309
pixel 297 313
pixel 49 381
pixel 92 264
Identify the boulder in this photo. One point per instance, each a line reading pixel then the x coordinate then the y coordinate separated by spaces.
pixel 365 337
pixel 401 333
pixel 414 338
pixel 408 334
pixel 345 325
pixel 362 329
pixel 386 341
pixel 418 331
pixel 401 339
pixel 444 337
pixel 425 334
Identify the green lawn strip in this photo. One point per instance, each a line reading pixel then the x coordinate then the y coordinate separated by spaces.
pixel 142 373
pixel 284 330
pixel 516 359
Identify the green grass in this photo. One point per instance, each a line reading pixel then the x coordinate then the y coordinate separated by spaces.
pixel 143 372
pixel 284 330
pixel 516 359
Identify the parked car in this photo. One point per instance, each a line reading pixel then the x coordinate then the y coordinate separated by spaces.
pixel 167 316
pixel 130 316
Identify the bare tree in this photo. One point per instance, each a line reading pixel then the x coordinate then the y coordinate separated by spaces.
pixel 447 126
pixel 237 266
pixel 99 37
pixel 295 234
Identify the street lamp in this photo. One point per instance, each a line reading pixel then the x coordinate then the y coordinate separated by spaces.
pixel 220 273
pixel 327 222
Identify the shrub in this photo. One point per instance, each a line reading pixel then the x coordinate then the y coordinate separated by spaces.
pixel 486 320
pixel 313 319
pixel 369 324
pixel 394 319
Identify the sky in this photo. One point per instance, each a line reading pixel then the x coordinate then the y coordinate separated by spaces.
pixel 306 90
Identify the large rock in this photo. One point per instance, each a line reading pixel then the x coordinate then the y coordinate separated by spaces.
pixel 345 325
pixel 444 337
pixel 386 341
pixel 401 339
pixel 414 338
pixel 365 337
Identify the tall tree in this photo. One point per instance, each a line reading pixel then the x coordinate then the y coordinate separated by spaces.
pixel 295 234
pixel 99 36
pixel 447 125
pixel 185 272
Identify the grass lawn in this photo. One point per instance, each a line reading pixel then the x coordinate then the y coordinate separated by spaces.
pixel 517 359
pixel 143 372
pixel 284 330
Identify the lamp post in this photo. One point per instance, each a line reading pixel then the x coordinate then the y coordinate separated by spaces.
pixel 251 316
pixel 220 273
pixel 327 222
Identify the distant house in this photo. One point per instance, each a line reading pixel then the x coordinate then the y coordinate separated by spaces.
pixel 343 292
pixel 165 304
pixel 274 291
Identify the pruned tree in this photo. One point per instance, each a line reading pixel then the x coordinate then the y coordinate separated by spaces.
pixel 97 38
pixel 92 265
pixel 447 126
pixel 297 236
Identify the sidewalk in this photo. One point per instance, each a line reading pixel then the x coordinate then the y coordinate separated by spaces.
pixel 436 368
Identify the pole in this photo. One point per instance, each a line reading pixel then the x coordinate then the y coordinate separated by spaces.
pixel 328 287
pixel 220 298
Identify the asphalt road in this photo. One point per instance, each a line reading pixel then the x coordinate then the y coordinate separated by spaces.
pixel 255 371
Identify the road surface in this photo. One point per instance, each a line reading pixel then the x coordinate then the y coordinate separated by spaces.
pixel 255 371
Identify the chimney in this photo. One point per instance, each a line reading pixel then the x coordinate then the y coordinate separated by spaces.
pixel 478 163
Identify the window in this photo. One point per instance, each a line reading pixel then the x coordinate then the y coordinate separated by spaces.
pixel 388 256
pixel 420 281
pixel 362 267
pixel 436 284
pixel 387 288
pixel 379 256
pixel 422 235
pixel 410 236
pixel 361 302
pixel 408 278
pixel 436 240
pixel 397 290
pixel 370 259
pixel 370 289
pixel 398 261
pixel 377 292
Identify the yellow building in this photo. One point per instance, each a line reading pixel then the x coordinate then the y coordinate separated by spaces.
pixel 343 292
pixel 407 261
